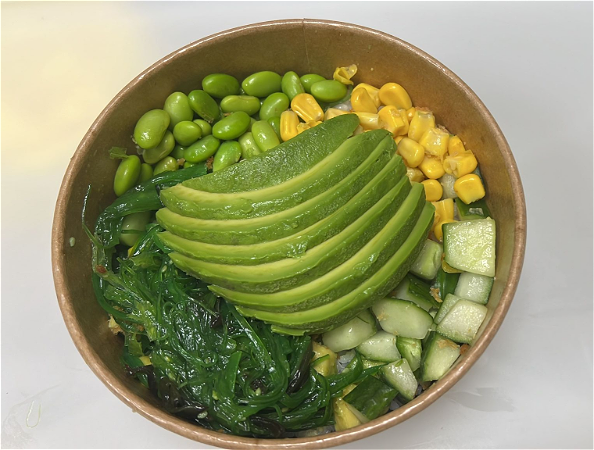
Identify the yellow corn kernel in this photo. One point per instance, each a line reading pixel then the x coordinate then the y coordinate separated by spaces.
pixel 435 141
pixel 455 146
pixel 422 121
pixel 469 188
pixel 302 126
pixel 412 152
pixel 358 130
pixel 396 95
pixel 369 121
pixel 433 190
pixel 432 167
pixel 344 74
pixel 406 126
pixel 391 120
pixel 438 230
pixel 460 164
pixel 306 107
pixel 397 139
pixel 333 112
pixel 414 175
pixel 288 125
pixel 372 91
pixel 361 101
pixel 145 360
pixel 410 112
pixel 444 210
pixel 328 366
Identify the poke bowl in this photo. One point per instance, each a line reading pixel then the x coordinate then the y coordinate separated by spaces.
pixel 316 47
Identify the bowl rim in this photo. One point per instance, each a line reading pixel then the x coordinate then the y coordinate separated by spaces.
pixel 210 437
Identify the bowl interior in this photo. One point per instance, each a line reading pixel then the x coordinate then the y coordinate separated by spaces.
pixel 305 46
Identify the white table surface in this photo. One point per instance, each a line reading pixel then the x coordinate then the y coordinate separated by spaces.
pixel 530 63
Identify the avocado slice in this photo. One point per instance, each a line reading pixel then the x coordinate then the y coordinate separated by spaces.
pixel 190 202
pixel 328 316
pixel 284 161
pixel 284 223
pixel 293 245
pixel 344 278
pixel 317 261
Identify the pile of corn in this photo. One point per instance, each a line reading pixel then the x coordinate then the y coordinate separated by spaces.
pixel 429 151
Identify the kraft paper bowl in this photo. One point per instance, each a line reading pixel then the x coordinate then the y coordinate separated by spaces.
pixel 305 46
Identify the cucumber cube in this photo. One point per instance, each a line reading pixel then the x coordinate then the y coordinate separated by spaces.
pixel 474 287
pixel 400 376
pixel 429 260
pixel 470 246
pixel 402 318
pixel 462 322
pixel 445 307
pixel 439 354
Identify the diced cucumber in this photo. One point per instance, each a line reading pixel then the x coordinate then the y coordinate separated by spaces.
pixel 402 318
pixel 429 260
pixel 368 363
pixel 462 322
pixel 474 210
pixel 439 354
pixel 411 350
pixel 400 376
pixel 447 183
pixel 446 282
pixel 416 291
pixel 350 334
pixel 470 246
pixel 447 304
pixel 380 347
pixel 371 397
pixel 474 287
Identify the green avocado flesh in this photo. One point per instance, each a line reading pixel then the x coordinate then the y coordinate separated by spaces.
pixel 344 278
pixel 287 222
pixel 328 316
pixel 290 272
pixel 294 157
pixel 187 201
pixel 294 245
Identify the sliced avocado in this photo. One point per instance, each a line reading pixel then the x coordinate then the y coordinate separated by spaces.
pixel 344 278
pixel 317 261
pixel 284 223
pixel 283 162
pixel 190 202
pixel 293 245
pixel 328 316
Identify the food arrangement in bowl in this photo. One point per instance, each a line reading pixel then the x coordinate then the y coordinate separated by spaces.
pixel 292 254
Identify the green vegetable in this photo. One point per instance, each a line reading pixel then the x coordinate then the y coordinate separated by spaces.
pixel 177 106
pixel 133 226
pixel 146 173
pixel 328 91
pixel 274 105
pixel 164 148
pixel 249 148
pixel 232 126
pixel 246 103
pixel 228 154
pixel 178 152
pixel 126 175
pixel 291 85
pixel 275 124
pixel 204 105
pixel 371 397
pixel 151 128
pixel 262 84
pixel 264 135
pixel 204 126
pixel 202 150
pixel 445 282
pixel 307 81
pixel 220 85
pixel 187 132
pixel 167 164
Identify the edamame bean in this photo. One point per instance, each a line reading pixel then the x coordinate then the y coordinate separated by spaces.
pixel 228 154
pixel 177 106
pixel 151 128
pixel 252 122
pixel 187 132
pixel 249 148
pixel 167 164
pixel 246 103
pixel 328 91
pixel 275 124
pixel 134 222
pixel 264 135
pixel 204 105
pixel 220 85
pixel 308 80
pixel 202 150
pixel 126 175
pixel 204 126
pixel 188 164
pixel 274 105
pixel 178 152
pixel 262 84
pixel 146 173
pixel 154 154
pixel 232 126
pixel 291 85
